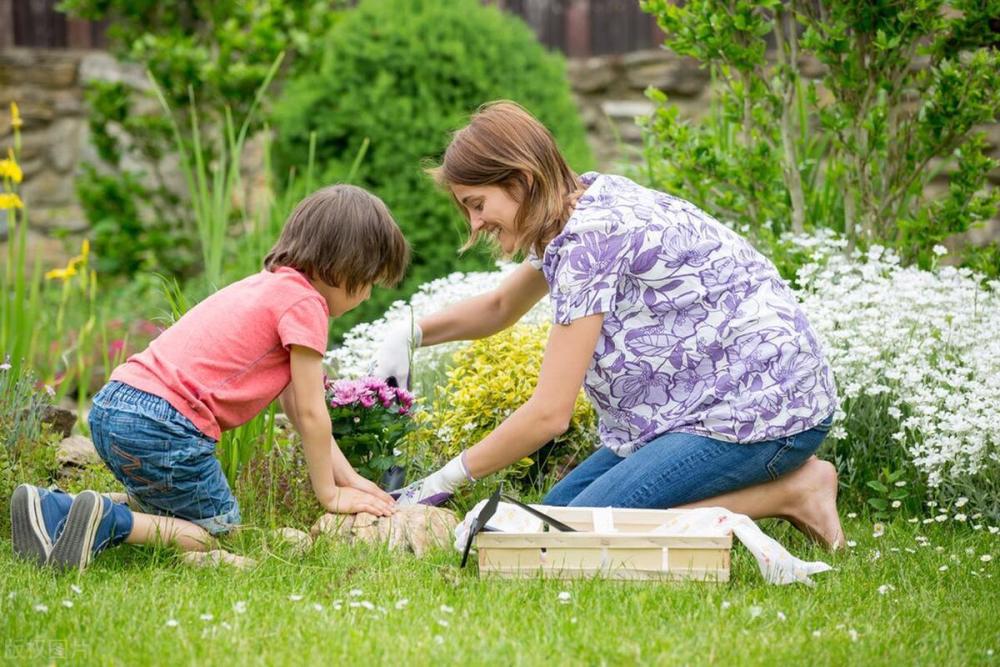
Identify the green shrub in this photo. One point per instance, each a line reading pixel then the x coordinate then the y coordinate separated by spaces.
pixel 403 74
pixel 487 381
pixel 852 150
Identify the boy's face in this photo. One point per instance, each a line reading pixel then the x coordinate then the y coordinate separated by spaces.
pixel 338 299
pixel 491 211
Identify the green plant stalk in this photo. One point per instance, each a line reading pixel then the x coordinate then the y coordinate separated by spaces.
pixel 211 187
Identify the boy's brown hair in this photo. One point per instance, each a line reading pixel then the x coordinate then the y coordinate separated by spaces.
pixel 505 145
pixel 344 236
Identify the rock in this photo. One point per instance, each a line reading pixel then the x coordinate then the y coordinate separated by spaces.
pixel 217 557
pixel 590 75
pixel 297 541
pixel 77 450
pixel 62 220
pixel 627 109
pixel 48 188
pixel 46 68
pixel 426 530
pixel 675 77
pixel 60 420
pixel 102 66
pixel 64 143
pixel 415 528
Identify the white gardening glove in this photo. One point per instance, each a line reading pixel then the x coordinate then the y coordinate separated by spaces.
pixel 437 487
pixel 392 360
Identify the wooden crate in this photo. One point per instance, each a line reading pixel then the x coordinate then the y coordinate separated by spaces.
pixel 613 543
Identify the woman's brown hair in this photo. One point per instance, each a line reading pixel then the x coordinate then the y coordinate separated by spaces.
pixel 505 145
pixel 344 236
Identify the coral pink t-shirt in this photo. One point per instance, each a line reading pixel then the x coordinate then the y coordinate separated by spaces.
pixel 228 357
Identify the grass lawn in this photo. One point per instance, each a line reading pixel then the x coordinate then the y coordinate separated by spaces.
pixel 940 606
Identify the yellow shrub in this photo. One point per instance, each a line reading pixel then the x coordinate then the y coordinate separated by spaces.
pixel 487 381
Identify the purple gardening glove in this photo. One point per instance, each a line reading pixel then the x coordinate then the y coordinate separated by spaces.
pixel 436 488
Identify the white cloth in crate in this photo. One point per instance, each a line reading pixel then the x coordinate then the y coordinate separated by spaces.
pixel 777 565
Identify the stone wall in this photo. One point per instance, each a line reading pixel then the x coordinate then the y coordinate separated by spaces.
pixel 48 87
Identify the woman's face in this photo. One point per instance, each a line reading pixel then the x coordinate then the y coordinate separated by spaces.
pixel 491 211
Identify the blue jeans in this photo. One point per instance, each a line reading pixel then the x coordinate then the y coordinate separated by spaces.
pixel 167 465
pixel 679 468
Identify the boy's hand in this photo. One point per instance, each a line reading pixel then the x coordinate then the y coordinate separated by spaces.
pixel 356 481
pixel 347 500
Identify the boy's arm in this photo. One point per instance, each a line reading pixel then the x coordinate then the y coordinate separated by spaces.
pixel 344 473
pixel 313 424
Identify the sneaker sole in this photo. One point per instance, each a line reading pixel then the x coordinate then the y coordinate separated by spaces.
pixel 31 540
pixel 74 548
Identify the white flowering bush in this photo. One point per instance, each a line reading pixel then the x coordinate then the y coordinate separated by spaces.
pixel 353 358
pixel 916 355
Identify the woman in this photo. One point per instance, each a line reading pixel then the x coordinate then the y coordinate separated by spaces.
pixel 710 385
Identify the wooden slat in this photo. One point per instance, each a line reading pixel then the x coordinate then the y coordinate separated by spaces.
pixel 38 24
pixel 705 576
pixel 617 540
pixel 79 34
pixel 6 24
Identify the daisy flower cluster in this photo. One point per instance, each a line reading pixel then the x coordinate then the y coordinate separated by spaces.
pixel 927 342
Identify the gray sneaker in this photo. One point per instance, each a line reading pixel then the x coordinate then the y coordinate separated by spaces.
pixel 75 546
pixel 37 517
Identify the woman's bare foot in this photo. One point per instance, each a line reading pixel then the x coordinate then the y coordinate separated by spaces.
pixel 813 508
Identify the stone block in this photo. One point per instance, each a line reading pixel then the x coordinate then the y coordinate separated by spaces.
pixel 101 66
pixel 38 67
pixel 589 75
pixel 216 558
pixel 627 109
pixel 66 219
pixel 297 541
pixel 414 528
pixel 675 77
pixel 60 420
pixel 77 450
pixel 48 188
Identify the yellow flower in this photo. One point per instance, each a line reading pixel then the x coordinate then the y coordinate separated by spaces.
pixel 10 169
pixel 70 270
pixel 10 200
pixel 15 116
pixel 62 274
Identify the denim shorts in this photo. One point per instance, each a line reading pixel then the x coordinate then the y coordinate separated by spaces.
pixel 679 468
pixel 167 465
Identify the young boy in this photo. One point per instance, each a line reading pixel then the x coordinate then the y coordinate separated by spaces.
pixel 158 419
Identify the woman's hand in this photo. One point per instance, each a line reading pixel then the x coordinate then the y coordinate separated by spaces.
pixel 392 360
pixel 438 487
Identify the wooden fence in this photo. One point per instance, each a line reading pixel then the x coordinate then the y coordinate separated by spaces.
pixel 578 28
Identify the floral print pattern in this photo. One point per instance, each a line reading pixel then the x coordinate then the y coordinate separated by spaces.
pixel 701 335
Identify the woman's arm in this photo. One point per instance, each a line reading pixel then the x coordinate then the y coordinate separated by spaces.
pixel 544 416
pixel 478 317
pixel 486 314
pixel 548 412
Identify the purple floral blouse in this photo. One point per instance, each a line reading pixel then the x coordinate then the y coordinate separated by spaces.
pixel 701 335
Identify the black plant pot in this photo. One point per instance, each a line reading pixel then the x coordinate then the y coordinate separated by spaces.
pixel 394 478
